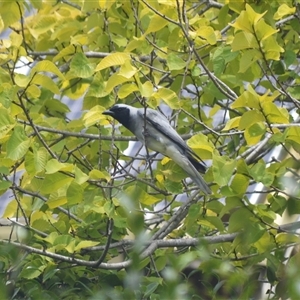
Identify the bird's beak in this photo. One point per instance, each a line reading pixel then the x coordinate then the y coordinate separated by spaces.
pixel 108 112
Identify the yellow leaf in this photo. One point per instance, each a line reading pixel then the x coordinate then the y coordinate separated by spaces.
pixel 271 48
pixel 94 116
pixel 247 19
pixel 11 209
pixel 200 142
pixel 96 174
pixel 85 244
pixel 114 59
pixel 165 160
pixel 47 66
pixel 63 53
pixel 232 123
pixel 254 133
pixel 127 70
pixel 76 91
pixel 115 80
pixel 149 199
pixel 147 89
pixel 284 10
pixel 253 16
pixel 33 91
pixel 156 24
pixel 46 82
pixel 21 80
pixel 160 178
pixel 248 98
pixel 168 96
pixel 57 198
pixel 275 114
pixel 126 89
pixel 263 30
pixel 70 247
pixel 208 33
pixel 269 98
pixel 54 166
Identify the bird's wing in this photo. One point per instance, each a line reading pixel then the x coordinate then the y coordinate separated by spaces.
pixel 161 124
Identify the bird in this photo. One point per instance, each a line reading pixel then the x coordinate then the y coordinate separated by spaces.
pixel 154 130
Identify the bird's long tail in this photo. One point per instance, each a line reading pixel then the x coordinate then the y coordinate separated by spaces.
pixel 196 177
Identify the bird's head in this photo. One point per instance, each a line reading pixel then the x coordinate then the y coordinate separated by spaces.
pixel 120 112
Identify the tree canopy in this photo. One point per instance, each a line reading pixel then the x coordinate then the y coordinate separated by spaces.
pixel 90 219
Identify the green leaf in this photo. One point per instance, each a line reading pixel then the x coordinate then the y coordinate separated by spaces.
pixel 254 133
pixel 54 107
pixel 218 65
pixel 240 220
pixel 4 185
pixel 53 166
pixel 6 122
pixel 18 143
pixel 43 24
pixel 175 62
pixel 63 53
pixel 251 117
pixel 151 288
pixel 74 193
pixel 240 184
pixel 53 182
pixel 36 162
pixel 261 174
pixel 45 82
pixel 33 91
pixel 127 89
pixel 248 58
pixel 244 40
pixel 289 57
pixel 222 168
pixel 30 272
pixel 97 87
pixel 212 222
pixel 81 67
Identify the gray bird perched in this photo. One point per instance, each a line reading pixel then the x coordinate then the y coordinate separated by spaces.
pixel 155 132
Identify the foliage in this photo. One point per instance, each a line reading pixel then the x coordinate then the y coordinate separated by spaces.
pixel 84 217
